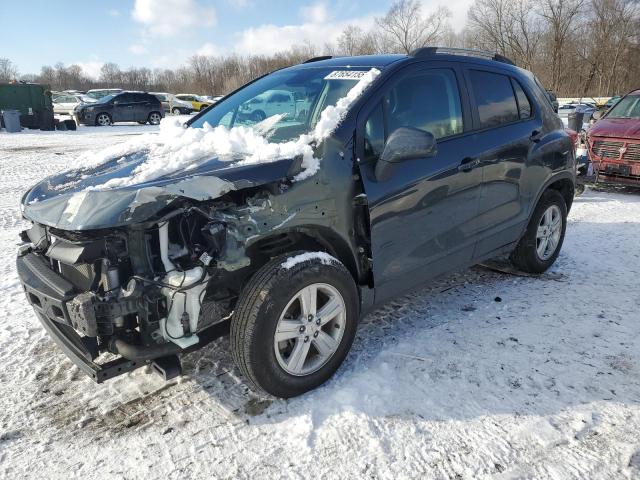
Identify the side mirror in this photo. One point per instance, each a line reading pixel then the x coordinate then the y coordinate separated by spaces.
pixel 404 143
pixel 597 115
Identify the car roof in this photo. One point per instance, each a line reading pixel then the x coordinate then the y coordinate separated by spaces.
pixel 378 61
pixel 383 61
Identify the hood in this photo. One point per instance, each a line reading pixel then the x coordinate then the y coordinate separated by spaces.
pixel 73 200
pixel 616 127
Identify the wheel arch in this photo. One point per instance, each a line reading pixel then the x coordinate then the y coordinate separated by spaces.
pixel 314 238
pixel 564 183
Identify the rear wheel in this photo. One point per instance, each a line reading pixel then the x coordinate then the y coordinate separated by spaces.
pixel 154 118
pixel 541 243
pixel 294 326
pixel 103 120
pixel 176 111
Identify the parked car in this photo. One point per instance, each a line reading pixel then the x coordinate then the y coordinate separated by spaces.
pixel 586 107
pixel 174 105
pixel 292 250
pixel 212 98
pixel 614 142
pixel 196 101
pixel 272 102
pixel 103 92
pixel 65 104
pixel 121 107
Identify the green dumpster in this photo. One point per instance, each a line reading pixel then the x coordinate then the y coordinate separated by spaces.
pixel 32 100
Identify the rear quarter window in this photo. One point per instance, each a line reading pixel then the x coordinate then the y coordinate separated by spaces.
pixel 494 97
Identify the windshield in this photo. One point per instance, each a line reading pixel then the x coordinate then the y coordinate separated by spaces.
pixel 106 98
pixel 628 107
pixel 283 105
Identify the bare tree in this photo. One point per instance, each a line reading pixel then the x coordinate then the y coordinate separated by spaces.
pixel 355 41
pixel 8 71
pixel 508 27
pixel 407 29
pixel 561 17
pixel 110 74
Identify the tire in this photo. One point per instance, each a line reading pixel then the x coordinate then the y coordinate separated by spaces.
pixel 103 120
pixel 203 107
pixel 269 296
pixel 530 255
pixel 154 118
pixel 176 111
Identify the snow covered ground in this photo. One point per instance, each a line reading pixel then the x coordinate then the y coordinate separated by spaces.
pixel 479 375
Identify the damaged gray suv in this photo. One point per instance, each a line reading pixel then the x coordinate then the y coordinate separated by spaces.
pixel 371 176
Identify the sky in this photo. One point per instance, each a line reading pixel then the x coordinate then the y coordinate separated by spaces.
pixel 165 33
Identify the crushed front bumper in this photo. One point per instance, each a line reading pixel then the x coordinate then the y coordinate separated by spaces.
pixel 50 294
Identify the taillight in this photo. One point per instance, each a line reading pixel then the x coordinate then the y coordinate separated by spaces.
pixel 574 137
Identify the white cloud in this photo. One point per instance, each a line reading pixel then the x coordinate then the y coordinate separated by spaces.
pixel 114 13
pixel 209 49
pixel 316 13
pixel 137 49
pixel 268 39
pixel 91 69
pixel 170 17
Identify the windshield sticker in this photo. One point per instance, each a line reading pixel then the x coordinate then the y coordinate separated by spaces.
pixel 346 75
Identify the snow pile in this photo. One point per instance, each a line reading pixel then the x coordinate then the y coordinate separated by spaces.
pixel 177 148
pixel 324 258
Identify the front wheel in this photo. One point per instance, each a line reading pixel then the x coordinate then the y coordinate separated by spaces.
pixel 176 111
pixel 103 120
pixel 540 245
pixel 294 323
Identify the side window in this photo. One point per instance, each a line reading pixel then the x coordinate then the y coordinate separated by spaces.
pixel 524 106
pixel 374 134
pixel 494 98
pixel 429 101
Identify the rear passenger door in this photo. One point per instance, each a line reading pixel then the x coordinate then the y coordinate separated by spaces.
pixel 505 127
pixel 123 110
pixel 423 212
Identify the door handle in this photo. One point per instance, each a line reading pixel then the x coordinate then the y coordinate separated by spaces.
pixel 468 163
pixel 535 136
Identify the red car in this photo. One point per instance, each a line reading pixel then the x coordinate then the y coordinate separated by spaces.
pixel 614 142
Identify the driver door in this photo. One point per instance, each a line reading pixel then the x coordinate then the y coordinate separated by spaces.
pixel 424 211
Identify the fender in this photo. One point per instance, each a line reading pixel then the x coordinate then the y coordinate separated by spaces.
pixel 556 176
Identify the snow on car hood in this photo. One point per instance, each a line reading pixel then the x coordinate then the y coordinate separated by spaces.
pixel 130 182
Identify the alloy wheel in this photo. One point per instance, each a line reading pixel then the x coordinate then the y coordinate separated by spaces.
pixel 549 232
pixel 104 120
pixel 310 329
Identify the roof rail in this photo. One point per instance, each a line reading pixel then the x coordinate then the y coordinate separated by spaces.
pixel 318 59
pixel 468 52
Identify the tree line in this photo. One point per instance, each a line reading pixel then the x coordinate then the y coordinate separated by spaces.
pixel 575 48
